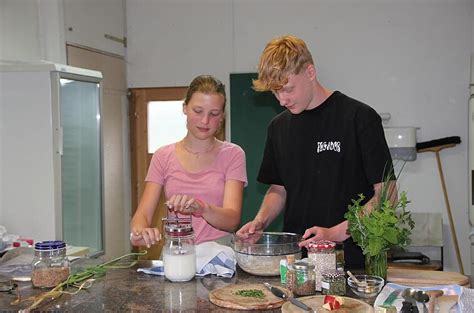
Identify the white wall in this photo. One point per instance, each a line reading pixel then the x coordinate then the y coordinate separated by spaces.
pixel 88 21
pixel 31 31
pixel 472 19
pixel 409 58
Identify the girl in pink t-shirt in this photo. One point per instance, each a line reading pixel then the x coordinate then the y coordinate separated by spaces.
pixel 201 176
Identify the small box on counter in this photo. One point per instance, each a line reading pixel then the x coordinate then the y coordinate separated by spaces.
pixel 386 309
pixel 283 271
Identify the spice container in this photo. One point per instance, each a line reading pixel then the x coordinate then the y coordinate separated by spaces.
pixel 340 256
pixel 322 254
pixel 50 265
pixel 179 254
pixel 333 283
pixel 300 278
pixel 284 265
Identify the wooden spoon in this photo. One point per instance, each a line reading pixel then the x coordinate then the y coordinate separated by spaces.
pixel 433 295
pixel 358 282
pixel 446 302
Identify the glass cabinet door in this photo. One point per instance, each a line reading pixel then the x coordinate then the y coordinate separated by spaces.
pixel 81 165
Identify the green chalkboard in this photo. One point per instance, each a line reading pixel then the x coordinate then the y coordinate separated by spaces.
pixel 250 114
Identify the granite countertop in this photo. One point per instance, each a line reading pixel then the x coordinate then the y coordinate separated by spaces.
pixel 126 290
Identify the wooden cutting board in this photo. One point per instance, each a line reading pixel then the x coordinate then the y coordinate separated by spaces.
pixel 425 278
pixel 350 305
pixel 226 297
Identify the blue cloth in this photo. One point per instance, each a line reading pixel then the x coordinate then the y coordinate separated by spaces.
pixel 388 288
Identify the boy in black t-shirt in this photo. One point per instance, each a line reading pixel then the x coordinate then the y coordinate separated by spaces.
pixel 320 153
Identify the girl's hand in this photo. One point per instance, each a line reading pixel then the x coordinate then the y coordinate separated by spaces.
pixel 187 205
pixel 145 236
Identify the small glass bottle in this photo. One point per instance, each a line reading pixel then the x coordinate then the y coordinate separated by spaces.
pixel 179 254
pixel 322 254
pixel 340 256
pixel 333 283
pixel 301 282
pixel 50 266
pixel 286 271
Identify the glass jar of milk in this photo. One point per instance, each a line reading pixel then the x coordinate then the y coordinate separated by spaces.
pixel 179 252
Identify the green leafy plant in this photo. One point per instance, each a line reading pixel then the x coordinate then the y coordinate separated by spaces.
pixel 387 225
pixel 383 228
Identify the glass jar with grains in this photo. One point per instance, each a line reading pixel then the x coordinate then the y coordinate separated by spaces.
pixel 322 254
pixel 50 265
pixel 300 278
pixel 333 283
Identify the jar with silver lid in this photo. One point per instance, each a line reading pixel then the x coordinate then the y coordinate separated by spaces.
pixel 322 254
pixel 179 252
pixel 333 283
pixel 300 278
pixel 50 265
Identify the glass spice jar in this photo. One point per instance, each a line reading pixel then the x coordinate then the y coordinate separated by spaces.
pixel 50 265
pixel 340 256
pixel 333 283
pixel 300 278
pixel 322 254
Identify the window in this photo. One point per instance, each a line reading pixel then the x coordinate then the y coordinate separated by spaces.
pixel 166 123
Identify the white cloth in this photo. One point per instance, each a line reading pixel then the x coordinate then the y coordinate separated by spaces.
pixel 157 269
pixel 214 258
pixel 465 302
pixel 211 258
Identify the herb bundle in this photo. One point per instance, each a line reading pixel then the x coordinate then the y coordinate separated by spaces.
pixel 387 225
pixel 384 227
pixel 80 280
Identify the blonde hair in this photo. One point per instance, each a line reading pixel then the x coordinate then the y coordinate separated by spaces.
pixel 206 84
pixel 281 57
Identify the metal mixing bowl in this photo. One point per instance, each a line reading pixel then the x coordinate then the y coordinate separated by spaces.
pixel 260 253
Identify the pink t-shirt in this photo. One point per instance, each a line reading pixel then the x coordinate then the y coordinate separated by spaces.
pixel 207 185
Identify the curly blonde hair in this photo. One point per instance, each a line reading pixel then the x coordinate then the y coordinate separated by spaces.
pixel 281 57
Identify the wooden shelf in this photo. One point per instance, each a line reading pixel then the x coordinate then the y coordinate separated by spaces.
pixel 434 265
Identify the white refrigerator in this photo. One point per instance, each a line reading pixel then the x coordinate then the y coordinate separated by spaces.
pixel 51 182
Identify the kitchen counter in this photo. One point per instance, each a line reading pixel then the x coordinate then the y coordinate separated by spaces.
pixel 126 290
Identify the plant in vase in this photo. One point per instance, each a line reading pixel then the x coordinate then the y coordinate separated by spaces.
pixel 387 225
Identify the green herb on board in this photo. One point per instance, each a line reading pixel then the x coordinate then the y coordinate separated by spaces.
pixel 251 293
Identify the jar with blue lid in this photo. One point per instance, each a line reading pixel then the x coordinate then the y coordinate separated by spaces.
pixel 50 265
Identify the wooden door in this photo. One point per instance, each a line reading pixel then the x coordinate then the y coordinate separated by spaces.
pixel 140 157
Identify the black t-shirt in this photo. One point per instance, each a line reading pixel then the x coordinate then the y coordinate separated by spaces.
pixel 325 157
